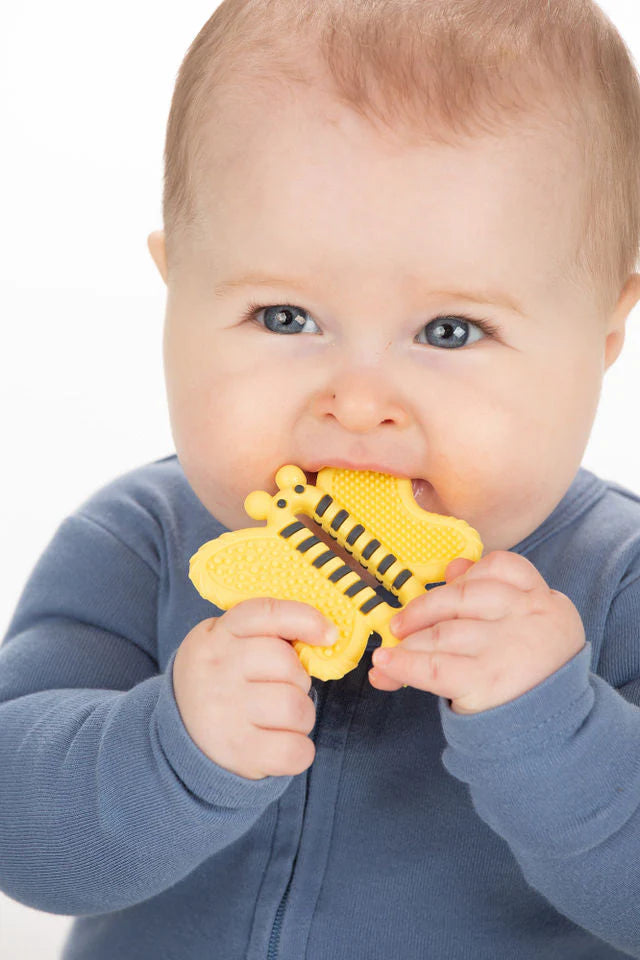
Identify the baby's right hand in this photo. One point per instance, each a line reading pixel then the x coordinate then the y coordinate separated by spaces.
pixel 242 691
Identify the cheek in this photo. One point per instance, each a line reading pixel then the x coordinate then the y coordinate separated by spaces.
pixel 515 427
pixel 564 393
pixel 227 405
pixel 545 394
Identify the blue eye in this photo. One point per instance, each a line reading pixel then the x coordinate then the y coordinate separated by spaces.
pixel 445 332
pixel 450 333
pixel 280 319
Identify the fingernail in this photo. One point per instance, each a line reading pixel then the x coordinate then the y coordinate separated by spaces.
pixel 380 657
pixel 331 635
pixel 396 622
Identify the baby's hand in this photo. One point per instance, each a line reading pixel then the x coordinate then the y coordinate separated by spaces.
pixel 242 691
pixel 492 632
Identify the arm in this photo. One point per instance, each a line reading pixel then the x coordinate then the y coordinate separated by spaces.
pixel 556 773
pixel 105 800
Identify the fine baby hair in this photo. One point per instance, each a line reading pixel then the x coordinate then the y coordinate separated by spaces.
pixel 436 71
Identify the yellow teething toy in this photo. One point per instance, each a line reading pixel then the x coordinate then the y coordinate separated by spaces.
pixel 373 516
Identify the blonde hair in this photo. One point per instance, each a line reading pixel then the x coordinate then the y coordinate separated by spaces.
pixel 441 70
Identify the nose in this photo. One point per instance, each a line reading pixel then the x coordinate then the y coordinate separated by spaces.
pixel 361 401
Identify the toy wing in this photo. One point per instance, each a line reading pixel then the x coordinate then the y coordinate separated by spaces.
pixel 373 516
pixel 427 542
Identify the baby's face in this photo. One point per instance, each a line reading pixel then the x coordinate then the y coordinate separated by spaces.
pixel 361 356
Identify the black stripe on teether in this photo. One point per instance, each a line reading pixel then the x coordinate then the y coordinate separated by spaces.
pixel 291 529
pixel 355 533
pixel 340 573
pixel 323 505
pixel 322 559
pixel 370 548
pixel 384 565
pixel 339 519
pixel 371 604
pixel 400 579
pixel 307 544
pixel 356 588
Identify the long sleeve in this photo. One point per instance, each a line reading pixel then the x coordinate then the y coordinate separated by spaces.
pixel 556 773
pixel 104 798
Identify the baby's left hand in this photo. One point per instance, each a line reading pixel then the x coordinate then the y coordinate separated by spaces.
pixel 492 632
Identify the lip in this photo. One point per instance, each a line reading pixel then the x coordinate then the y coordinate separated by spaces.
pixel 316 467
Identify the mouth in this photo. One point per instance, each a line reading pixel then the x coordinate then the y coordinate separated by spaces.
pixel 420 488
pixel 422 493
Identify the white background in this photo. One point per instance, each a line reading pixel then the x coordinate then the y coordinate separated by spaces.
pixel 84 100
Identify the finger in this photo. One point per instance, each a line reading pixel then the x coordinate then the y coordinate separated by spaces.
pixel 381 681
pixel 508 567
pixel 279 706
pixel 456 568
pixel 289 619
pixel 443 674
pixel 466 599
pixel 466 637
pixel 271 659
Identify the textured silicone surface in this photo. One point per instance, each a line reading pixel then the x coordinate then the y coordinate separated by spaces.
pixel 373 516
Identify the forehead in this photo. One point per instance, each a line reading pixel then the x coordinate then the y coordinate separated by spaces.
pixel 309 186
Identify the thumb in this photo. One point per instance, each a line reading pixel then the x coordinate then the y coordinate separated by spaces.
pixel 456 568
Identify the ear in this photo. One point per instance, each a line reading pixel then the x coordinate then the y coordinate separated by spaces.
pixel 158 250
pixel 617 322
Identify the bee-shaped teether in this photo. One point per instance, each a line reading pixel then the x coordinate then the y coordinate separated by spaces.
pixel 373 516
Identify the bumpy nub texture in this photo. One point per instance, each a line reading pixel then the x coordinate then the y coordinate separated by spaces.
pixel 415 534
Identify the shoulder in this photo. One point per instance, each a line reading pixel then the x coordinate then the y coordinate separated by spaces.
pixel 153 488
pixel 620 500
pixel 613 526
pixel 589 549
pixel 597 517
pixel 618 525
pixel 147 507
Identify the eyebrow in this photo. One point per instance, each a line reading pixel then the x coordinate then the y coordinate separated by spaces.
pixel 493 297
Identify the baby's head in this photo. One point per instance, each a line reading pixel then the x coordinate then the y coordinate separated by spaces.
pixel 445 198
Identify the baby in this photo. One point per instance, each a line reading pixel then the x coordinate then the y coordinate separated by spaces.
pixel 398 237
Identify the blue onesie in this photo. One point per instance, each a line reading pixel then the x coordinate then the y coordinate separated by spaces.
pixel 416 833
